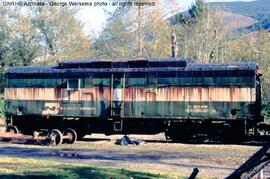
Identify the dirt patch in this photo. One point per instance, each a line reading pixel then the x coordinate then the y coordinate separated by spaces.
pixel 213 160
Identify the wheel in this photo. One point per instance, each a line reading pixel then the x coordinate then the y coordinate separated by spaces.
pixel 12 129
pixel 72 136
pixel 55 136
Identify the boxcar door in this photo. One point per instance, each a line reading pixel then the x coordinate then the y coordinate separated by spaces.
pixel 117 94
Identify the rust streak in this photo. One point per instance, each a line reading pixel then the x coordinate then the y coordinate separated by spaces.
pixel 134 94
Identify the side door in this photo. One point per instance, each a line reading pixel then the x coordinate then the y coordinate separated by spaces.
pixel 117 94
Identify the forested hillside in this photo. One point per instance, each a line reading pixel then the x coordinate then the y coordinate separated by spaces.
pixel 258 9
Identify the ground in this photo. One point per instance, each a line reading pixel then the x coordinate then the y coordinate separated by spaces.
pixel 157 155
pixel 11 167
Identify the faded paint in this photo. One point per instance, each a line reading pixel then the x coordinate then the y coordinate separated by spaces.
pixel 137 109
pixel 58 94
pixel 191 94
pixel 232 94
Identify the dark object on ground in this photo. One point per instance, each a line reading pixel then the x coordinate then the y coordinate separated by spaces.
pixel 194 173
pixel 125 140
pixel 253 165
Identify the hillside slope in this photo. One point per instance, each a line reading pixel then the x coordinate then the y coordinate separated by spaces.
pixel 259 10
pixel 233 21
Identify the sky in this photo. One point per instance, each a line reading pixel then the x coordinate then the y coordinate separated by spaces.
pixel 94 18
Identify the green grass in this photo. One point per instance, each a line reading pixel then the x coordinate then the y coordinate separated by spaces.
pixel 19 167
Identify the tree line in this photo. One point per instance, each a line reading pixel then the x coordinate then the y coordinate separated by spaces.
pixel 46 35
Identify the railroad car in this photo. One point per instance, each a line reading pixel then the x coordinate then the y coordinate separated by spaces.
pixel 145 96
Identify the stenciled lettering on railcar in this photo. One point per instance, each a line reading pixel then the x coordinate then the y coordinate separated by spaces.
pixel 197 108
pixel 54 108
pixel 78 108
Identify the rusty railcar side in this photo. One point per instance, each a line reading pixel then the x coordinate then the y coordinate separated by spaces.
pixel 144 96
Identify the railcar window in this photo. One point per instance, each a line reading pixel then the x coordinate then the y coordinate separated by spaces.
pixel 167 79
pixel 101 82
pixel 73 84
pixel 152 79
pixel 88 82
pixel 135 81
